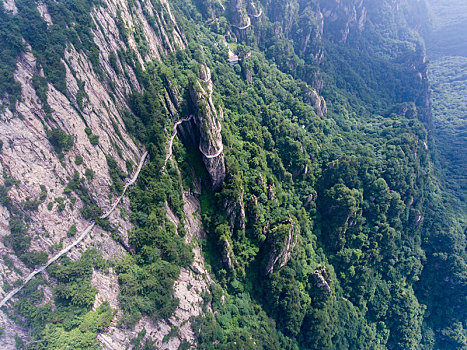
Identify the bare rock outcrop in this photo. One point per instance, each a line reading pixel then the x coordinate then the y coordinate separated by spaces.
pixel 235 211
pixel 9 6
pixel 228 258
pixel 321 282
pixel 208 128
pixel 318 103
pixel 280 241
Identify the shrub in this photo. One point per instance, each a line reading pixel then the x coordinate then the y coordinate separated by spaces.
pixel 72 231
pixel 94 139
pixel 60 140
pixel 89 174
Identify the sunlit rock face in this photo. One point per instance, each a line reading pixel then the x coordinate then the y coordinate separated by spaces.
pixel 208 127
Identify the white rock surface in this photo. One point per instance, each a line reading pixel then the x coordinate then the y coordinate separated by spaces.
pixel 188 288
pixel 28 156
pixel 9 5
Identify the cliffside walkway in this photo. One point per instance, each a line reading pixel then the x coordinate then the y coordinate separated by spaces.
pixel 210 156
pixel 169 148
pixel 80 238
pixel 174 134
pixel 247 25
pixel 258 14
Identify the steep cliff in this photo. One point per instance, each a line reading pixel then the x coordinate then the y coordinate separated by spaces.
pixel 209 128
pixel 89 115
pixel 281 241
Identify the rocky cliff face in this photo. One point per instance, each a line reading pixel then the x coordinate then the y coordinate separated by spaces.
pixel 298 19
pixel 280 241
pixel 209 128
pixel 237 13
pixel 321 282
pixel 90 112
pixel 342 17
pixel 314 100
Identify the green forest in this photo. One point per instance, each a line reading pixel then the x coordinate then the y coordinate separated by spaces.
pixel 334 230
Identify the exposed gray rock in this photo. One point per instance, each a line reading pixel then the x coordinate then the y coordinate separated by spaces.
pixel 9 5
pixel 238 14
pixel 321 282
pixel 236 213
pixel 344 17
pixel 209 128
pixel 42 8
pixel 280 241
pixel 227 255
pixel 314 100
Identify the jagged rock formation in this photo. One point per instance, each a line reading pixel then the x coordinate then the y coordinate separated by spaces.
pixel 235 211
pixel 321 282
pixel 208 128
pixel 314 100
pixel 228 258
pixel 280 241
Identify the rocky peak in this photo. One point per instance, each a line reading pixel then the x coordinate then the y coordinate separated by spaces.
pixel 208 127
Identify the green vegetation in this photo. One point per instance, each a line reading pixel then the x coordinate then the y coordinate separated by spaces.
pixel 89 174
pixel 449 76
pixel 10 47
pixel 90 209
pixel 116 174
pixel 329 232
pixel 70 324
pixel 72 231
pixel 357 183
pixel 93 139
pixel 19 239
pixel 60 140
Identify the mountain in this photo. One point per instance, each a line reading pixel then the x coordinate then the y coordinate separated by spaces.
pixel 448 68
pixel 233 174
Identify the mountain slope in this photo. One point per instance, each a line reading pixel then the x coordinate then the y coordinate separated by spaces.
pixel 289 199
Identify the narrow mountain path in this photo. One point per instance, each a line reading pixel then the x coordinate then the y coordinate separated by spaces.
pixel 258 14
pixel 169 148
pixel 128 184
pixel 247 25
pixel 210 156
pixel 80 238
pixel 174 134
